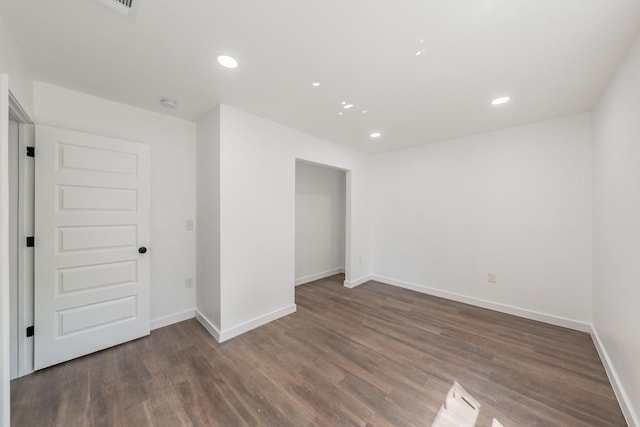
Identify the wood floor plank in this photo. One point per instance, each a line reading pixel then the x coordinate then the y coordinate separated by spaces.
pixel 375 355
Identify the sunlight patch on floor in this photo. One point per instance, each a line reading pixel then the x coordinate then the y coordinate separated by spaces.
pixel 460 409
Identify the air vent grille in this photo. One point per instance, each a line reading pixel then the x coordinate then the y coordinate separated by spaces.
pixel 124 7
pixel 125 3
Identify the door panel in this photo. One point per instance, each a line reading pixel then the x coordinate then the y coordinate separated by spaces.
pixel 92 215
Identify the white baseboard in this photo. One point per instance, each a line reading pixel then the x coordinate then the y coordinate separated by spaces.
pixel 503 308
pixel 623 399
pixel 318 276
pixel 256 322
pixel 353 283
pixel 161 322
pixel 208 325
pixel 227 334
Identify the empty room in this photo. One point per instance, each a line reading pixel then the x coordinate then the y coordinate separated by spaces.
pixel 328 213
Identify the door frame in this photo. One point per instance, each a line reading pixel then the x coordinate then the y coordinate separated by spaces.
pixel 25 258
pixel 5 389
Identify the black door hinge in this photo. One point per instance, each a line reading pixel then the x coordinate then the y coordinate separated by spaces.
pixel 31 151
pixel 30 331
pixel 30 241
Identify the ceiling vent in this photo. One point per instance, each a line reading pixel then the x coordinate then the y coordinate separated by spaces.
pixel 124 7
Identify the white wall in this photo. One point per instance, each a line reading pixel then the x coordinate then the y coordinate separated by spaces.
pixel 13 64
pixel 320 221
pixel 257 196
pixel 173 193
pixel 208 218
pixel 516 203
pixel 616 214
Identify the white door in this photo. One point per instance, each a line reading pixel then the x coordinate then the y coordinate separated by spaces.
pixel 91 234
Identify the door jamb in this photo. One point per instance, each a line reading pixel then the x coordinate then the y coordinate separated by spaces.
pixel 26 137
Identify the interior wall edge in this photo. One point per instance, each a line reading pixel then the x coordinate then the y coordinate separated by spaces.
pixel 207 324
pixel 623 398
pixel 502 308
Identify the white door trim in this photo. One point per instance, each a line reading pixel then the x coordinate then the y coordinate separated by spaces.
pixel 25 228
pixel 5 393
pixel 26 197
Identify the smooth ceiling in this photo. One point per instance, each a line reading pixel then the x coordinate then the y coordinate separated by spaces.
pixel 552 57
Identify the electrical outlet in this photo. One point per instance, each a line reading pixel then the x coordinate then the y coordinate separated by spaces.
pixel 492 278
pixel 189 225
pixel 188 282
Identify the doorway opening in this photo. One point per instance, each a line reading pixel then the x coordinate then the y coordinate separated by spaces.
pixel 321 222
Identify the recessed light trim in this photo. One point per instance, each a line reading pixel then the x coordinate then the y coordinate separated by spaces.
pixel 346 107
pixel 227 61
pixel 375 135
pixel 315 84
pixel 500 100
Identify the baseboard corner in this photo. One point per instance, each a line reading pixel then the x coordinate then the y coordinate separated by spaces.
pixel 357 282
pixel 208 325
pixel 628 411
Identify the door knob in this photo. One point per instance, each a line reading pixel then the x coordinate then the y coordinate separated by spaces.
pixel 142 250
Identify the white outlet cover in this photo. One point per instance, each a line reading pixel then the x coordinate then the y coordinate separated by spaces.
pixel 492 278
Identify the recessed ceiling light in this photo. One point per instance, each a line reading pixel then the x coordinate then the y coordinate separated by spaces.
pixel 227 61
pixel 346 107
pixel 375 134
pixel 365 111
pixel 315 84
pixel 169 103
pixel 501 100
pixel 344 103
pixel 340 113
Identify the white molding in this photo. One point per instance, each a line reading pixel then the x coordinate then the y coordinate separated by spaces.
pixel 240 329
pixel 170 319
pixel 5 373
pixel 503 308
pixel 227 334
pixel 318 276
pixel 208 325
pixel 623 399
pixel 17 112
pixel 26 196
pixel 353 283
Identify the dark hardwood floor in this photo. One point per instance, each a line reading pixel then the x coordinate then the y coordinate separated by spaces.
pixel 375 355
